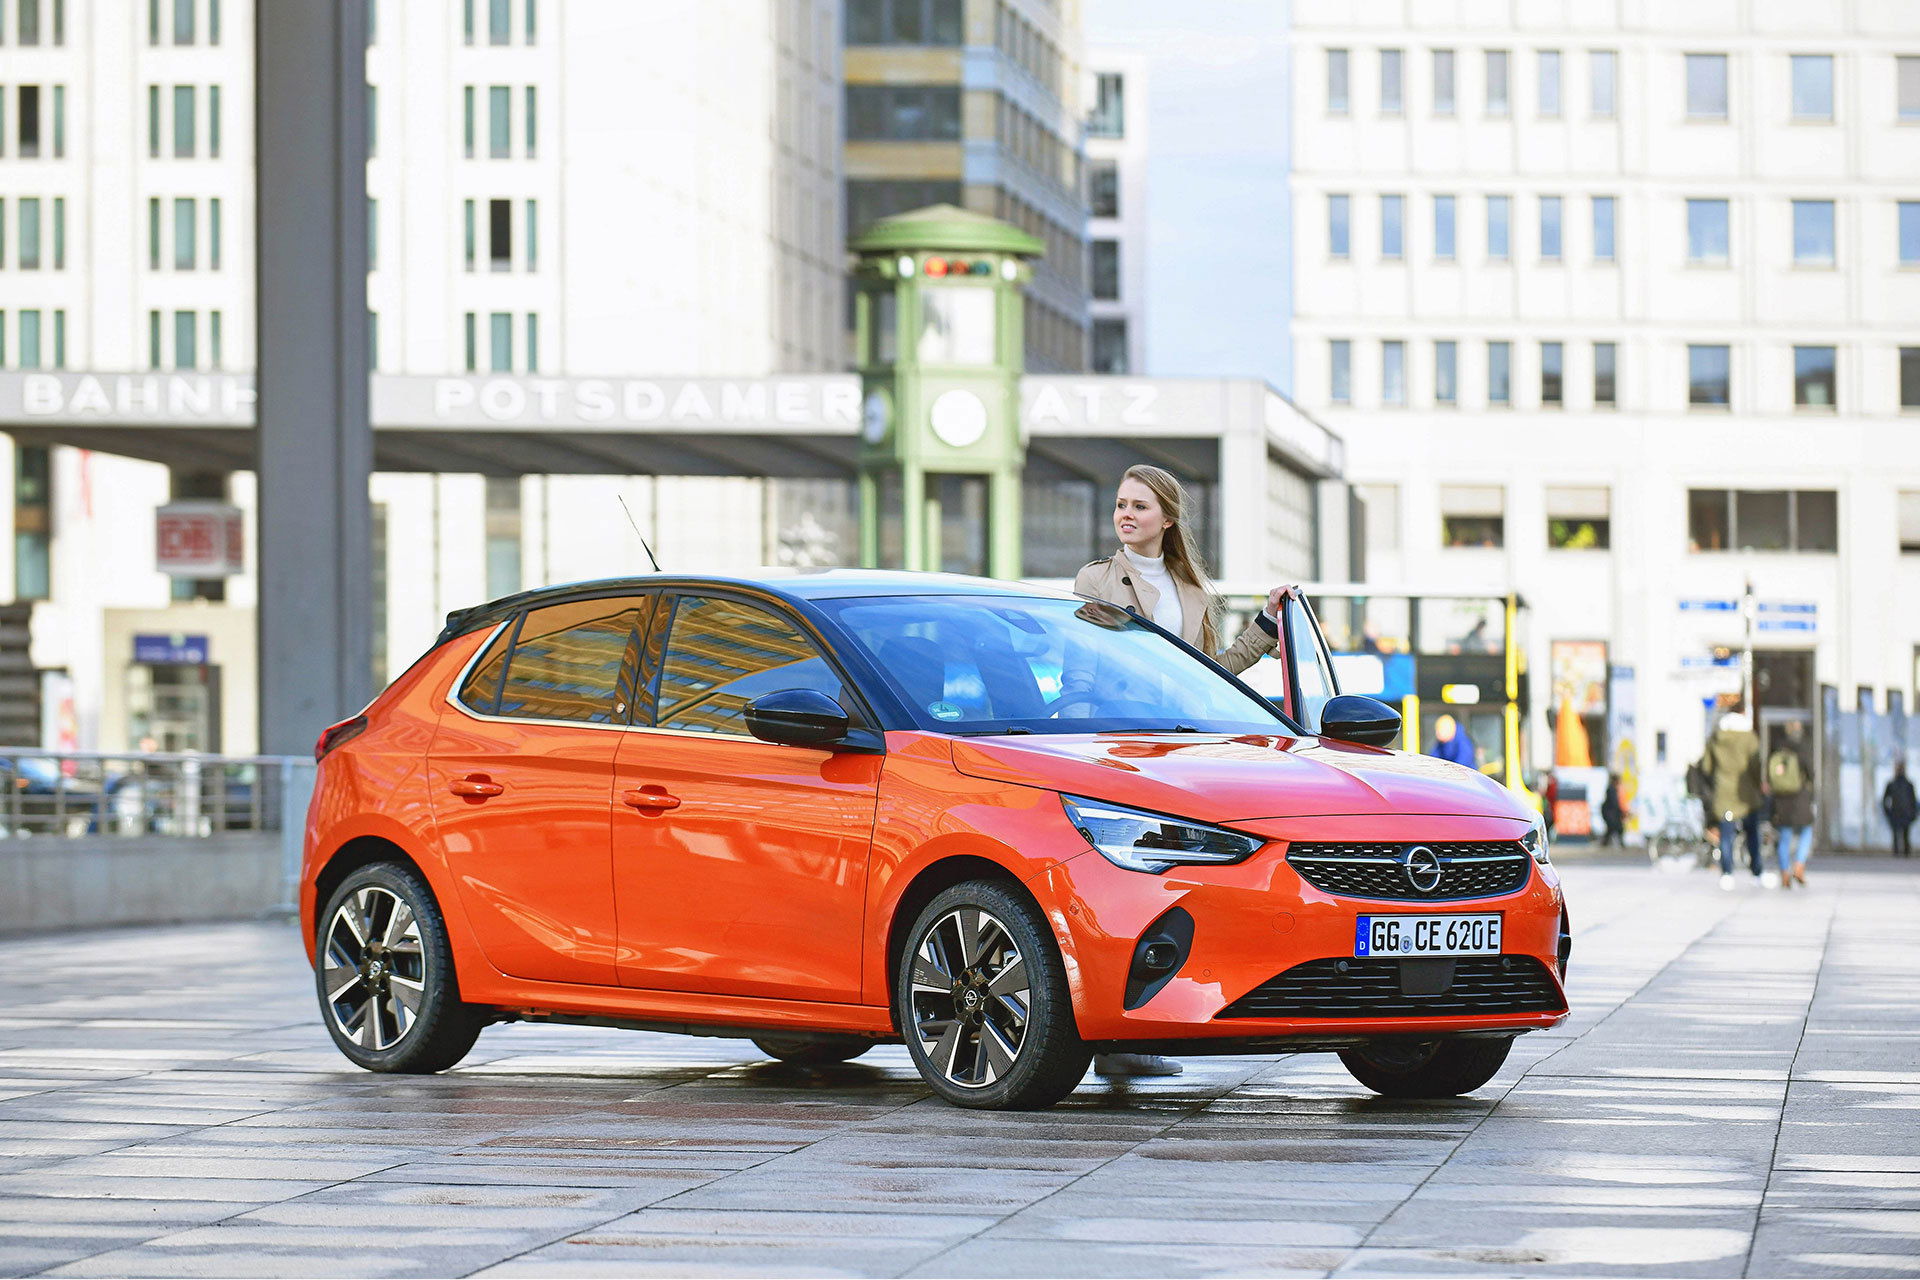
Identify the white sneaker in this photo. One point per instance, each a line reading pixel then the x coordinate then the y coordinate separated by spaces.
pixel 1726 881
pixel 1134 1064
pixel 1771 880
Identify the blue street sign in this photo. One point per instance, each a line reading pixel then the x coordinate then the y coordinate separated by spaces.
pixel 1802 608
pixel 170 651
pixel 1787 624
pixel 1710 606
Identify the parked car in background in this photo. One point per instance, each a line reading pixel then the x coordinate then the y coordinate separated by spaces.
pixel 1006 825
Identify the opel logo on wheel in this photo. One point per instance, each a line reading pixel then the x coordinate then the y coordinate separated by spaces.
pixel 1422 866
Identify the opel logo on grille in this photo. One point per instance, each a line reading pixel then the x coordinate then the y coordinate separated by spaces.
pixel 1422 866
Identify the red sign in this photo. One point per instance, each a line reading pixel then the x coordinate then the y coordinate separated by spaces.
pixel 200 540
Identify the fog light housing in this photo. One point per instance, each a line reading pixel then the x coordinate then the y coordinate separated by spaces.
pixel 1158 955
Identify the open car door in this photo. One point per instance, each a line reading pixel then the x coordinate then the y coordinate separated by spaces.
pixel 1304 654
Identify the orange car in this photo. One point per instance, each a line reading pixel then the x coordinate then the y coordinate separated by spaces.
pixel 1009 826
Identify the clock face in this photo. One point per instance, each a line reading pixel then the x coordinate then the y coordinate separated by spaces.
pixel 875 416
pixel 959 418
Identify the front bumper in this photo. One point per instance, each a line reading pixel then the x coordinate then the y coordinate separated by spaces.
pixel 1257 920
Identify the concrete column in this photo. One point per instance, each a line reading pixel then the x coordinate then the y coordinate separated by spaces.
pixel 315 437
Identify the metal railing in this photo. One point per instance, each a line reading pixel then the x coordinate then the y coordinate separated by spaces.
pixel 154 795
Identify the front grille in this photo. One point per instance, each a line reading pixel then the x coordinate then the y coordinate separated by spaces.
pixel 1484 869
pixel 1375 989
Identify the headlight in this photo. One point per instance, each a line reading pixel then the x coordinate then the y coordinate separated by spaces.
pixel 1153 842
pixel 1535 841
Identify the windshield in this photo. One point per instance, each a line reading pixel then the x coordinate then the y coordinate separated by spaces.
pixel 1000 664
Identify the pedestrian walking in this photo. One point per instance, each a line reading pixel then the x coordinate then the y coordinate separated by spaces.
pixel 1159 573
pixel 1897 802
pixel 1790 783
pixel 1732 764
pixel 1613 813
pixel 1450 742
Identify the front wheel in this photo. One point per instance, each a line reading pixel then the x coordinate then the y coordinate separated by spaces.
pixel 812 1051
pixel 1399 1068
pixel 385 975
pixel 982 1001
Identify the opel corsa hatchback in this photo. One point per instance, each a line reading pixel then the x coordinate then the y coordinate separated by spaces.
pixel 1008 826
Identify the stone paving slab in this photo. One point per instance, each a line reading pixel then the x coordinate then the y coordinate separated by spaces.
pixel 1736 1093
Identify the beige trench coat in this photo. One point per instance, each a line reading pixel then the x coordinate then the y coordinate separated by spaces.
pixel 1114 581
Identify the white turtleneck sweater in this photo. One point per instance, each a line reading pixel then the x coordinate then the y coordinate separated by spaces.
pixel 1153 571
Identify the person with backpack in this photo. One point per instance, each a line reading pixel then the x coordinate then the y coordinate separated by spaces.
pixel 1897 802
pixel 1790 780
pixel 1732 762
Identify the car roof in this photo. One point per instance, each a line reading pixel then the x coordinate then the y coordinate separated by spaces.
pixel 792 585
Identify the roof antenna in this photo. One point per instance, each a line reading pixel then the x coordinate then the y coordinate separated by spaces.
pixel 636 531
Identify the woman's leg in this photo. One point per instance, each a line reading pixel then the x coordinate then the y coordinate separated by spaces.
pixel 1726 847
pixel 1783 838
pixel 1802 849
pixel 1752 824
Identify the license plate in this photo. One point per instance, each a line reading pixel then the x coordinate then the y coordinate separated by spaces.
pixel 1426 936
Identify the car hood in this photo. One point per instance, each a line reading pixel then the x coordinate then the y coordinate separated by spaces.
pixel 1216 778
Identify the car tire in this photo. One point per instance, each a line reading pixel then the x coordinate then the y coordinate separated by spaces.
pixel 812 1051
pixel 384 974
pixel 981 999
pixel 1400 1068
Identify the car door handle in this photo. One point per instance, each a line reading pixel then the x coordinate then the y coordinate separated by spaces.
pixel 658 800
pixel 479 787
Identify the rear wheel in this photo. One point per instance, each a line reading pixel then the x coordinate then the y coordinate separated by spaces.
pixel 982 1001
pixel 385 975
pixel 813 1051
pixel 1403 1068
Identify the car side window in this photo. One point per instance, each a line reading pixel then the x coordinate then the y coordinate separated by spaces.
pixel 721 654
pixel 567 662
pixel 1310 662
pixel 481 690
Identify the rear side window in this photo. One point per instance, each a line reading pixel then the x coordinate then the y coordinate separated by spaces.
pixel 722 654
pixel 567 662
pixel 481 692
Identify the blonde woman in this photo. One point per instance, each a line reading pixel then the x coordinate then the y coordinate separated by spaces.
pixel 1159 573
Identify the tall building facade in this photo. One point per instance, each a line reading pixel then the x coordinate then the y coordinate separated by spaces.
pixel 589 188
pixel 1620 305
pixel 976 103
pixel 1117 202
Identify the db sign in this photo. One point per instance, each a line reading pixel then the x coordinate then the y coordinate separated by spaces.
pixel 200 540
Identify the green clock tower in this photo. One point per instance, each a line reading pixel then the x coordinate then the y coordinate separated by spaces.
pixel 938 324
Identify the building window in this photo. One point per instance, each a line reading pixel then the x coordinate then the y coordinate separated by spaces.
pixel 1337 82
pixel 28 123
pixel 1606 358
pixel 1393 210
pixel 1763 520
pixel 1909 521
pixel 1603 216
pixel 1707 86
pixel 183 124
pixel 1340 371
pixel 467 129
pixel 153 122
pixel 533 239
pixel 1500 373
pixel 500 235
pixel 1443 228
pixel 373 121
pixel 903 112
pixel 1552 371
pixel 499 22
pixel 29 259
pixel 1907 74
pixel 153 340
pixel 1473 515
pixel 1104 270
pixel 1109 118
pixel 29 339
pixel 1579 518
pixel 1393 373
pixel 500 341
pixel 1103 188
pixel 213 339
pixel 502 528
pixel 870 200
pixel 185 332
pixel 1446 372
pixel 1910 377
pixel 185 234
pixel 1709 375
pixel 1339 226
pixel 472 342
pixel 1549 67
pixel 499 122
pixel 183 21
pixel 1110 345
pixel 1813 233
pixel 528 125
pixel 32 522
pixel 1550 210
pixel 1707 232
pixel 533 343
pixel 1443 82
pixel 923 22
pixel 60 233
pixel 1392 97
pixel 213 121
pixel 153 233
pixel 1814 377
pixel 1499 227
pixel 60 121
pixel 1909 233
pixel 469 217
pixel 1603 82
pixel 1813 87
pixel 1497 98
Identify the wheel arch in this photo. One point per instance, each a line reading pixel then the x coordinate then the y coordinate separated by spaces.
pixel 360 851
pixel 927 884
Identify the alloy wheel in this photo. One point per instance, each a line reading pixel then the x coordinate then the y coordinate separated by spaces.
pixel 970 997
pixel 374 968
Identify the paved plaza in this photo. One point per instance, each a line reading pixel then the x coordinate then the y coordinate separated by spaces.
pixel 1737 1093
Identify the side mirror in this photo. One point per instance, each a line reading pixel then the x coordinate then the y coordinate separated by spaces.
pixel 1353 717
pixel 798 718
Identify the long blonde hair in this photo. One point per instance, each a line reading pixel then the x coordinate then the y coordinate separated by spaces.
pixel 1181 549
